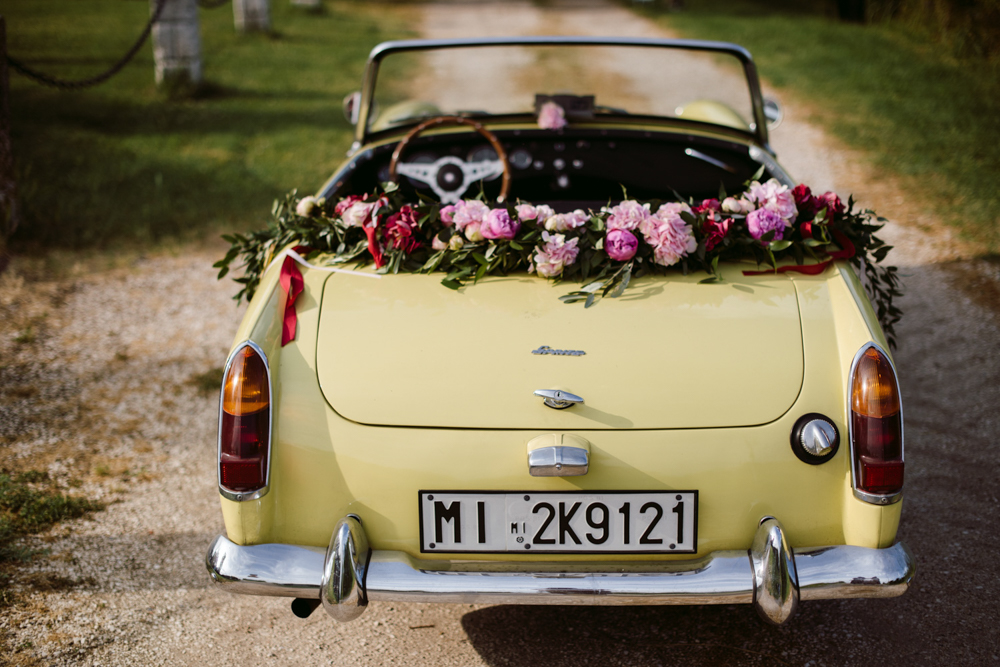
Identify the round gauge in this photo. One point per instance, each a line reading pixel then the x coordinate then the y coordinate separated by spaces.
pixel 520 159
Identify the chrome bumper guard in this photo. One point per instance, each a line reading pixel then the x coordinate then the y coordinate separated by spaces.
pixel 770 576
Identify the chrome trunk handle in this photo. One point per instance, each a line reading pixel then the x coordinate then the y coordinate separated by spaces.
pixel 560 400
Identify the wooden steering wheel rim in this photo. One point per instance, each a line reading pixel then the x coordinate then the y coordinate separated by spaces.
pixel 454 120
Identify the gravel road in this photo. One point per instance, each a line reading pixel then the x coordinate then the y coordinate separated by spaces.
pixel 108 394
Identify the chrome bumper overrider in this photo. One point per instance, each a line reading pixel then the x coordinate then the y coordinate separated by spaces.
pixel 770 575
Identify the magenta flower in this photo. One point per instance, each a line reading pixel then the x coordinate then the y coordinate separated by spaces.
pixel 498 225
pixel 346 203
pixel 399 230
pixel 762 221
pixel 551 117
pixel 621 244
pixel 832 202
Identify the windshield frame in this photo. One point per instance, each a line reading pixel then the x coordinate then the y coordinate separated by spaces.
pixel 363 132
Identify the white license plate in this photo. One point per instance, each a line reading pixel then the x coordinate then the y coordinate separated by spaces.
pixel 557 522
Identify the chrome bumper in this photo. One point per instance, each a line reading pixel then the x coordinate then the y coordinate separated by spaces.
pixel 770 576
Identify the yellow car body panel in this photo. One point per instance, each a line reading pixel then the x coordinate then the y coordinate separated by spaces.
pixel 323 466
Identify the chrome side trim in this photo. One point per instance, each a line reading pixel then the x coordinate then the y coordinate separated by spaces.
pixel 841 572
pixel 690 152
pixel 284 570
pixel 874 499
pixel 342 586
pixel 761 156
pixel 775 581
pixel 240 496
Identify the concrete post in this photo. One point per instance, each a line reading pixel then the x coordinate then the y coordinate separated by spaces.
pixel 252 15
pixel 177 42
pixel 7 185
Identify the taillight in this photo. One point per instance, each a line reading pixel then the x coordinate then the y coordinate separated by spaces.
pixel 245 426
pixel 876 426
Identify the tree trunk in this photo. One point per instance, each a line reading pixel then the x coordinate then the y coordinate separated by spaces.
pixel 252 15
pixel 177 42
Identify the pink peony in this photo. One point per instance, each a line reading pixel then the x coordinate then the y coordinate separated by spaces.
pixel 438 244
pixel 473 232
pixel 715 231
pixel 737 205
pixel 621 244
pixel 671 237
pixel 627 215
pixel 358 214
pixel 762 221
pixel 469 211
pixel 346 203
pixel 708 205
pixel 307 205
pixel 551 117
pixel 555 255
pixel 399 230
pixel 498 225
pixel 775 197
pixel 560 222
pixel 446 214
pixel 539 213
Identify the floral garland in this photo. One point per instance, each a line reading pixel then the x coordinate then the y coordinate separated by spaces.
pixel 603 250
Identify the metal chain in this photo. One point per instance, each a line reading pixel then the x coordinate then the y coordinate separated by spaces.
pixel 100 78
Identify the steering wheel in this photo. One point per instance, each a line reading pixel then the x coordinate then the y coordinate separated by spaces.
pixel 449 176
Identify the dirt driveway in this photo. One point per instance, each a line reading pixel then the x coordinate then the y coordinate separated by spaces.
pixel 108 392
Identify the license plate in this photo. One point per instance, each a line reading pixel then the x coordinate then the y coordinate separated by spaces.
pixel 556 522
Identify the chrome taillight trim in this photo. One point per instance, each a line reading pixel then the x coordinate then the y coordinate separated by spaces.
pixel 241 496
pixel 873 498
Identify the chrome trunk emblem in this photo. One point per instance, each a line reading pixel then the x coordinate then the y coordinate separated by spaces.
pixel 560 400
pixel 545 349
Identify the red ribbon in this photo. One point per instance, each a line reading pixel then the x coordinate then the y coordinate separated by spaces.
pixel 291 281
pixel 846 252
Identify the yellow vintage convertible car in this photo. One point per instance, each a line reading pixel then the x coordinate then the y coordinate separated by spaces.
pixel 720 432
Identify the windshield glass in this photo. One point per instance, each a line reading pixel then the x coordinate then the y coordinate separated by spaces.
pixel 591 80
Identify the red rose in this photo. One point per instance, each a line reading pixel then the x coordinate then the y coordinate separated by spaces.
pixel 805 202
pixel 715 231
pixel 831 202
pixel 399 230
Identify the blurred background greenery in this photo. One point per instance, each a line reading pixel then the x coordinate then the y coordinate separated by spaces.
pixel 915 84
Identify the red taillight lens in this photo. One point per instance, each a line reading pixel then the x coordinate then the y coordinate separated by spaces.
pixel 876 425
pixel 246 423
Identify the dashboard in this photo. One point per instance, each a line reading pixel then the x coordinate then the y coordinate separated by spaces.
pixel 572 169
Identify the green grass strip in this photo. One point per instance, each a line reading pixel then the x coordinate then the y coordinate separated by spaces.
pixel 121 163
pixel 917 111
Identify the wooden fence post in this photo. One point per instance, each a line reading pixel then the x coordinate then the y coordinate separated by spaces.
pixel 8 189
pixel 177 42
pixel 252 15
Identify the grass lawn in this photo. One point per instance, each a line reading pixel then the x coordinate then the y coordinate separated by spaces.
pixel 121 165
pixel 917 111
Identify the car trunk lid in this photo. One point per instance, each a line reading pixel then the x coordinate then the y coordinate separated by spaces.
pixel 669 354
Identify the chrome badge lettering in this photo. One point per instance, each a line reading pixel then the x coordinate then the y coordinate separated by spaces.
pixel 545 349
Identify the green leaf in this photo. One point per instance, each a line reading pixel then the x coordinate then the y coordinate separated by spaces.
pixel 760 172
pixel 778 246
pixel 710 279
pixel 451 284
pixel 516 246
pixel 812 243
pixel 479 257
pixel 590 297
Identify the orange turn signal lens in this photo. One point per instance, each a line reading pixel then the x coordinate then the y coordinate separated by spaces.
pixel 245 389
pixel 873 393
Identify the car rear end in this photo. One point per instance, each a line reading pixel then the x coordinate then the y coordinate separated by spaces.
pixel 738 442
